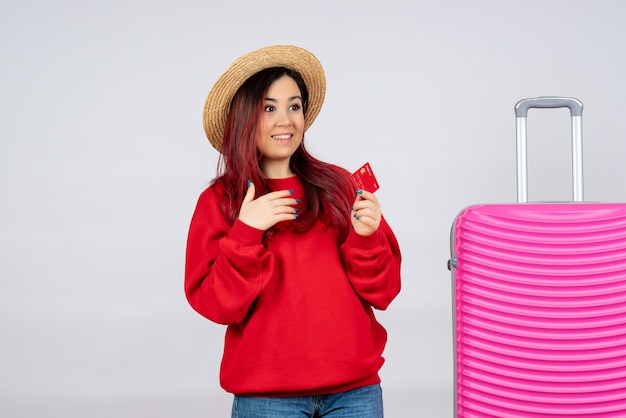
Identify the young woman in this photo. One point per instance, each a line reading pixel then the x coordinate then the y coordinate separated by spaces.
pixel 284 251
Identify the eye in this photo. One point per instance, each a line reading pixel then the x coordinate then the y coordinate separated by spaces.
pixel 295 107
pixel 269 108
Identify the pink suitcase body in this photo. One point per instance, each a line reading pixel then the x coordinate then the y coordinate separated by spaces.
pixel 539 301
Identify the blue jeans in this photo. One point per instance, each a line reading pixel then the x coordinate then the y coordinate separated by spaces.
pixel 365 402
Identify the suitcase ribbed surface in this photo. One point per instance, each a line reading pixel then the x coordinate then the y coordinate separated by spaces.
pixel 540 310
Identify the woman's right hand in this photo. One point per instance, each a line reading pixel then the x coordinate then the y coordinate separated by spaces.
pixel 267 210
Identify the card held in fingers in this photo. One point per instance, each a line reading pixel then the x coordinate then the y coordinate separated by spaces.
pixel 364 179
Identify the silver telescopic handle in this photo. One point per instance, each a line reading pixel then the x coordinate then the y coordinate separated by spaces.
pixel 521 112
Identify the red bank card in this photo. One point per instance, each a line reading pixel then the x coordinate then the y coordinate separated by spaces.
pixel 364 179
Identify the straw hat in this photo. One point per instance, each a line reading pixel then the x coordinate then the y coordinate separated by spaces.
pixel 218 101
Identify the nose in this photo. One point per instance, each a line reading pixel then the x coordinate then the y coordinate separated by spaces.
pixel 284 118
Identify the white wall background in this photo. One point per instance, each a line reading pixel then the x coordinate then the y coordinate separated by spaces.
pixel 102 157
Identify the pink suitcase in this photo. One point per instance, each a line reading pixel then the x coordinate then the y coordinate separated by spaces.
pixel 539 299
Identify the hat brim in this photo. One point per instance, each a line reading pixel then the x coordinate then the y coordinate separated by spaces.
pixel 218 101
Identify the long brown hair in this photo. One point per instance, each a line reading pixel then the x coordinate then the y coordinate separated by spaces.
pixel 327 188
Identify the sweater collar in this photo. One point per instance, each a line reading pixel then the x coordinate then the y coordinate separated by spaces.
pixel 289 183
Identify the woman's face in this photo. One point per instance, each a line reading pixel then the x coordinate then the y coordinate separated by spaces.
pixel 282 125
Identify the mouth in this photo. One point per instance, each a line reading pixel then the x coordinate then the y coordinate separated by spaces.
pixel 282 137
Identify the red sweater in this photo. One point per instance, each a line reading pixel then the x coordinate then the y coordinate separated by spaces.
pixel 299 310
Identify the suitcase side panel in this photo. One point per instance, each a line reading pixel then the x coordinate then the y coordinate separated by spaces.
pixel 539 299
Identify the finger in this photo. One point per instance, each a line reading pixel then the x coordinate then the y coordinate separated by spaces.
pixel 365 195
pixel 362 204
pixel 286 210
pixel 363 214
pixel 278 194
pixel 249 197
pixel 286 202
pixel 288 217
pixel 364 220
pixel 365 211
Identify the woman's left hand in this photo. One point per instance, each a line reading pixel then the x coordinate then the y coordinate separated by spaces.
pixel 366 213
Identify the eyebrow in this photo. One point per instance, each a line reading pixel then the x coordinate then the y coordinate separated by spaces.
pixel 292 98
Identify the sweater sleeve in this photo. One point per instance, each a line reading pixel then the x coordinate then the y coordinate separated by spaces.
pixel 226 267
pixel 373 265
